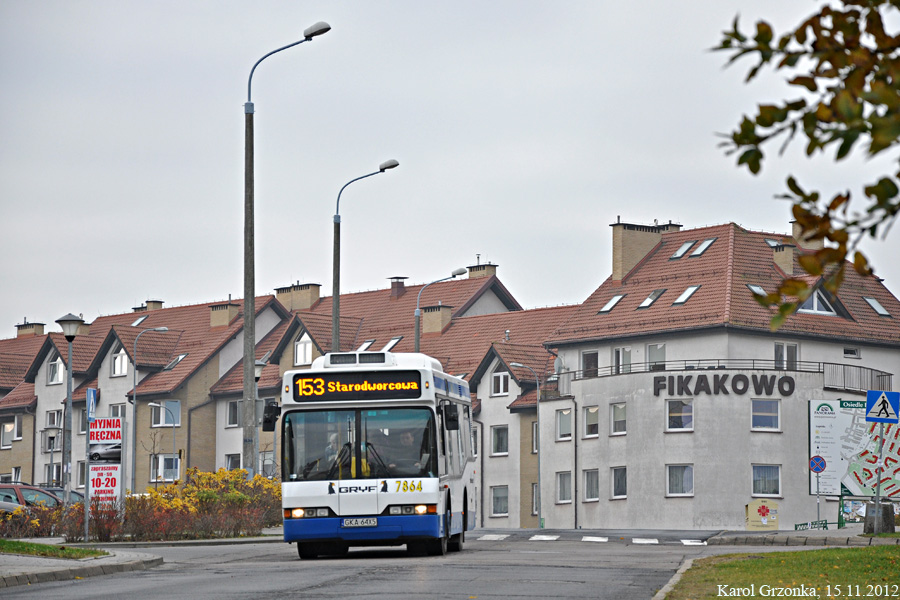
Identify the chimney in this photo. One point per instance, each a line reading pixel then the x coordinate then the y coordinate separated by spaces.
pixel 485 270
pixel 631 243
pixel 784 257
pixel 796 232
pixel 435 318
pixel 300 296
pixel 27 329
pixel 221 315
pixel 398 287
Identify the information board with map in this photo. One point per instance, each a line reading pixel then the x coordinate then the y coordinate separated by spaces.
pixel 838 432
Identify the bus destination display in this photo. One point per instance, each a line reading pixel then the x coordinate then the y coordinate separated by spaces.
pixel 364 385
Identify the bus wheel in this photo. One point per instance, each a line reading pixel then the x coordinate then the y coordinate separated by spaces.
pixel 438 547
pixel 457 541
pixel 307 550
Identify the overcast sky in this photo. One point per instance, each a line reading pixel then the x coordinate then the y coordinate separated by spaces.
pixel 523 129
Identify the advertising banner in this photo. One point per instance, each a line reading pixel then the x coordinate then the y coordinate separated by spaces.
pixel 105 459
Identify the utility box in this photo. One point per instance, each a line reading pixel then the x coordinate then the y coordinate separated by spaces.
pixel 887 518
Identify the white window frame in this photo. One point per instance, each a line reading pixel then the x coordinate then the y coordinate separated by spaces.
pixel 119 366
pixel 80 470
pixel 753 487
pixel 852 352
pixel 686 468
pixel 495 430
pixel 500 383
pixel 534 437
pixel 158 469
pixel 612 487
pixel 563 422
pixel 19 426
pixel 654 364
pixel 160 416
pixel 652 298
pixel 754 411
pixel 621 360
pixel 817 304
pixel 682 250
pixel 593 371
pixel 230 464
pixel 82 421
pixel 613 421
pixel 591 474
pixel 564 487
pixel 303 350
pixel 686 295
pixel 474 440
pixel 233 409
pixel 7 434
pixel 591 419
pixel 876 306
pixel 117 410
pixel 704 245
pixel 785 362
pixel 496 490
pixel 53 418
pixel 535 500
pixel 53 473
pixel 56 371
pixel 393 342
pixel 685 402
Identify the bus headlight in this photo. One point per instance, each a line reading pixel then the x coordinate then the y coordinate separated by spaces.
pixel 421 509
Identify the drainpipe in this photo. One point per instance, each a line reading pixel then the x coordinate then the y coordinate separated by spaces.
pixel 575 459
pixel 187 458
pixel 481 468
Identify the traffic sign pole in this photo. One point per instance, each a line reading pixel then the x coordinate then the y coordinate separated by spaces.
pixel 878 469
pixel 817 465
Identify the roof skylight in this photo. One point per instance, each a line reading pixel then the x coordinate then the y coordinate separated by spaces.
pixel 702 247
pixel 139 320
pixel 876 305
pixel 365 345
pixel 392 343
pixel 772 243
pixel 177 360
pixel 654 295
pixel 683 249
pixel 612 302
pixel 686 294
pixel 757 289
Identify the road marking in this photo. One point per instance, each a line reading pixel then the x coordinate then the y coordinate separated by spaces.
pixel 493 537
pixel 644 541
pixel 543 538
pixel 588 538
pixel 693 542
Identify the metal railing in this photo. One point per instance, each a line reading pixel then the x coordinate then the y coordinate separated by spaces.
pixel 848 378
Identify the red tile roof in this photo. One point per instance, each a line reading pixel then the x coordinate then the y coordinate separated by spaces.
pixel 737 258
pixel 16 356
pixel 22 395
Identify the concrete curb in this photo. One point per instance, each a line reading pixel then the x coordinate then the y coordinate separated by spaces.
pixel 68 573
pixel 664 591
pixel 798 540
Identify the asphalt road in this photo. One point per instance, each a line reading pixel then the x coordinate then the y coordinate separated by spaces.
pixel 494 564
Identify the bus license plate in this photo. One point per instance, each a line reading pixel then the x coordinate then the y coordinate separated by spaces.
pixel 367 522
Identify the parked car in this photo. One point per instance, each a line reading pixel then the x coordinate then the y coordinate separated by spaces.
pixel 8 507
pixel 27 495
pixel 113 453
pixel 61 493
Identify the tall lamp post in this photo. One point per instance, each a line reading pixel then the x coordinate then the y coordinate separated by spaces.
pixel 249 276
pixel 336 259
pixel 418 313
pixel 537 437
pixel 258 367
pixel 69 324
pixel 134 408
pixel 174 448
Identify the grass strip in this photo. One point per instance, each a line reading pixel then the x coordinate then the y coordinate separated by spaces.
pixel 47 550
pixel 829 573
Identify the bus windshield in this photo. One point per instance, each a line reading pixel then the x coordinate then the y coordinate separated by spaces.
pixel 359 444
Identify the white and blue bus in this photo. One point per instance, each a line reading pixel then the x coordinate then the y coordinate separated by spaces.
pixel 377 450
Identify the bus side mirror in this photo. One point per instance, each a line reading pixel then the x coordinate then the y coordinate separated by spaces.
pixel 271 413
pixel 451 417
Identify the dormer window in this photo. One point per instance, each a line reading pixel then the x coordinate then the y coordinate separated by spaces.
pixel 119 362
pixel 653 297
pixel 683 249
pixel 303 350
pixel 817 304
pixel 876 306
pixel 702 247
pixel 55 370
pixel 612 302
pixel 686 294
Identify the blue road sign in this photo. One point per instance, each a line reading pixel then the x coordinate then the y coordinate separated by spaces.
pixel 92 403
pixel 882 407
pixel 817 464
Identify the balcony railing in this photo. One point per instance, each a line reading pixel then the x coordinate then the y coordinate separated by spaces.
pixel 849 378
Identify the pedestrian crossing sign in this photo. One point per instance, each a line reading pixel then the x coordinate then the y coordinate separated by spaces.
pixel 882 407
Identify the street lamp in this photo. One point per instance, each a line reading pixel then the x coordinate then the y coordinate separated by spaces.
pixel 134 409
pixel 174 450
pixel 418 313
pixel 537 437
pixel 249 276
pixel 336 259
pixel 258 367
pixel 70 324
